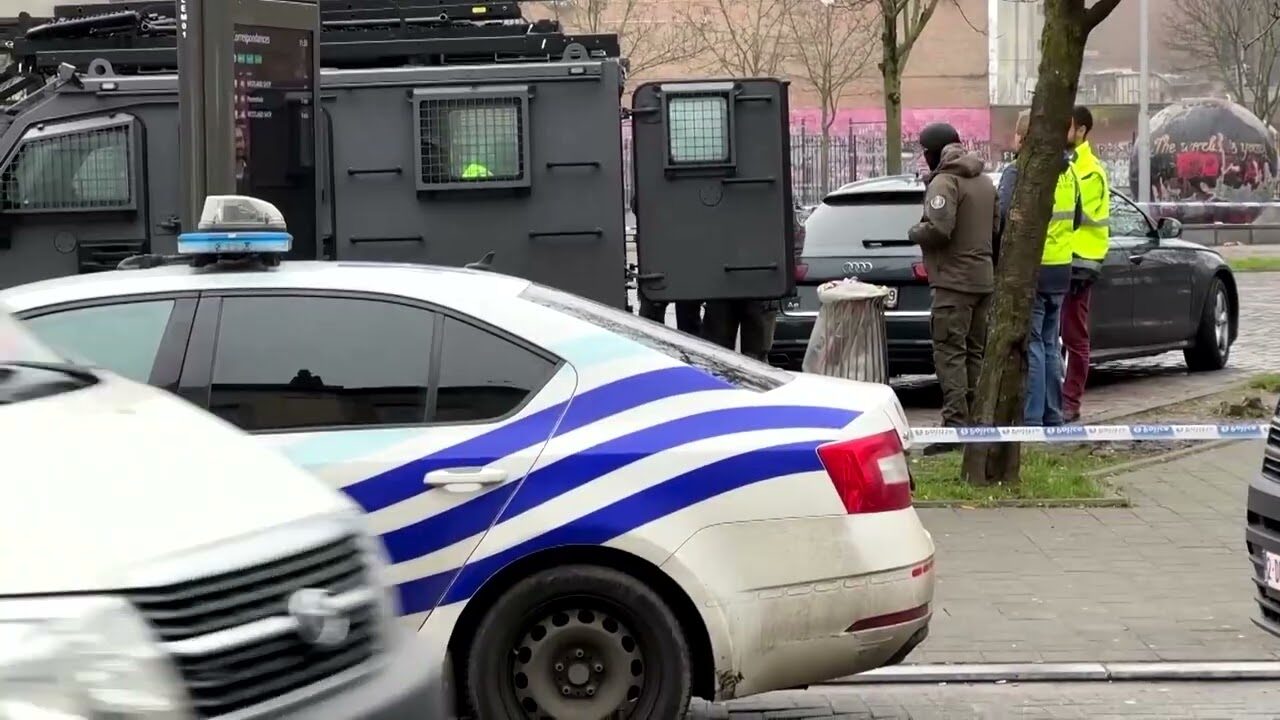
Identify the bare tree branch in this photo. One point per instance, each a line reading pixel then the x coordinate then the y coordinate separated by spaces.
pixel 647 40
pixel 833 44
pixel 1275 17
pixel 1235 42
pixel 744 38
pixel 1095 15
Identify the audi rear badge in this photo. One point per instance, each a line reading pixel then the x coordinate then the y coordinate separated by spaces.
pixel 858 266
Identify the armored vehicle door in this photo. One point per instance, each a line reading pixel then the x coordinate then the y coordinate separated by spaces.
pixel 73 196
pixel 712 196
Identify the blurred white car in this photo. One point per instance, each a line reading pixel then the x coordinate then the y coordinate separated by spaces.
pixel 157 564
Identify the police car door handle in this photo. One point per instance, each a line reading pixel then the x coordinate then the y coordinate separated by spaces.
pixel 465 479
pixel 1137 259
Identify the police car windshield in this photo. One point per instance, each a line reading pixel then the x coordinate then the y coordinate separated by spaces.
pixel 29 370
pixel 725 364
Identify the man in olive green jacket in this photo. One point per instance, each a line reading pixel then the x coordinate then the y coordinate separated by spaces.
pixel 955 237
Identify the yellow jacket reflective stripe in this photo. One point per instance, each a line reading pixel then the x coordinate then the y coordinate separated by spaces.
pixel 475 170
pixel 1091 240
pixel 1066 196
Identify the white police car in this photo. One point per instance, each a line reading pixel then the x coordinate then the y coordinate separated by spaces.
pixel 594 512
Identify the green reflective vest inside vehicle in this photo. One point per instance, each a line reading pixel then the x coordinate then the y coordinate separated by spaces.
pixel 1091 240
pixel 474 171
pixel 1066 200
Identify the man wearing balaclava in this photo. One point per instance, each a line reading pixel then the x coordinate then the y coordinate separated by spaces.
pixel 955 234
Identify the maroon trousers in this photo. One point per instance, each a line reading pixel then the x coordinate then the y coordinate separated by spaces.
pixel 1075 342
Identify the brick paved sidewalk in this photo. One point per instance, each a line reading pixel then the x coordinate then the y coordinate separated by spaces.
pixel 1033 701
pixel 1167 579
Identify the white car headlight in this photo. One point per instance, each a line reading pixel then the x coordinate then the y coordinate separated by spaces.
pixel 64 658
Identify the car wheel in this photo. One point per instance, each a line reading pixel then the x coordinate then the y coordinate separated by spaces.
pixel 579 642
pixel 1212 345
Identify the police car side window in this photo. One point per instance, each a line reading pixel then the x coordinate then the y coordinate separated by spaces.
pixel 286 362
pixel 483 376
pixel 123 338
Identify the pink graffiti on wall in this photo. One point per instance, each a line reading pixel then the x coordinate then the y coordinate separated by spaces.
pixel 974 124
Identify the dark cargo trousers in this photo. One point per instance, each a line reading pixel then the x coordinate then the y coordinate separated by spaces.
pixel 688 314
pixel 959 329
pixel 754 318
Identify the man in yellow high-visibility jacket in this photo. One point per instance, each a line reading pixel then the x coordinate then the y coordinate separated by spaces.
pixel 1043 406
pixel 475 171
pixel 1089 245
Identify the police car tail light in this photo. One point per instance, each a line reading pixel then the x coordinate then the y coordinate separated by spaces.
pixel 870 474
pixel 801 271
pixel 919 271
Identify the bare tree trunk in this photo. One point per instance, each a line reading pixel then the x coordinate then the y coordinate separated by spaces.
pixel 1002 386
pixel 891 71
pixel 824 152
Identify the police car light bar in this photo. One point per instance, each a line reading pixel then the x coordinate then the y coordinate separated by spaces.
pixel 237 225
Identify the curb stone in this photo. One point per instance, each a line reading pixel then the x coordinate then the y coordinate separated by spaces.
pixel 1117 501
pixel 1068 672
pixel 1170 456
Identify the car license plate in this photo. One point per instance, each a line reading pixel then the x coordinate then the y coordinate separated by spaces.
pixel 891 301
pixel 1271 569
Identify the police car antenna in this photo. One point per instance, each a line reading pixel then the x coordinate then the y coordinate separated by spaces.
pixel 485 263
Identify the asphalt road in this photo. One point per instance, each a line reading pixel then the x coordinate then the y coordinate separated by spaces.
pixel 1026 701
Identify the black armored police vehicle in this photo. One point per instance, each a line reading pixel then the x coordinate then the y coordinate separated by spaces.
pixel 447 131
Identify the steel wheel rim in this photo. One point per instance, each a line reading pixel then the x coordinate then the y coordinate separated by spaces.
pixel 577 663
pixel 1221 322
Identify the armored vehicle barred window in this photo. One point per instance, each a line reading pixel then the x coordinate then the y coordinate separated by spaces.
pixel 82 165
pixel 468 137
pixel 698 127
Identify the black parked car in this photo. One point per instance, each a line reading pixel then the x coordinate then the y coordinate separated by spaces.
pixel 1157 293
pixel 1262 534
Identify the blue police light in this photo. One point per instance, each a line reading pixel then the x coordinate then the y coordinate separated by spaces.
pixel 237 225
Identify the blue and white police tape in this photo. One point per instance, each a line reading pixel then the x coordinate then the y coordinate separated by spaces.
pixel 1089 433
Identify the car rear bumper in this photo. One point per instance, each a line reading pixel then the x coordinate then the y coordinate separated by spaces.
pixel 813 599
pixel 907 332
pixel 1262 534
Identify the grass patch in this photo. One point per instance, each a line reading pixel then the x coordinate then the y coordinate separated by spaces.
pixel 1056 473
pixel 1269 383
pixel 1255 264
pixel 1075 472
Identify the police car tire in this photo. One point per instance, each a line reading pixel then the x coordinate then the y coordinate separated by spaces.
pixel 667 667
pixel 1205 355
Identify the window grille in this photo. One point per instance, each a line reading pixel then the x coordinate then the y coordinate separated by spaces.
pixel 698 129
pixel 472 140
pixel 88 169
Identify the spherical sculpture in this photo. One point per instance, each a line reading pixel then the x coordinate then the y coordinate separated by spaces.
pixel 1205 151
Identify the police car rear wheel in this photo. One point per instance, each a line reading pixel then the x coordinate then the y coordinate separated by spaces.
pixel 579 642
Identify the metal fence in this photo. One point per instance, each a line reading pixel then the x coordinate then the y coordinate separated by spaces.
pixel 857 152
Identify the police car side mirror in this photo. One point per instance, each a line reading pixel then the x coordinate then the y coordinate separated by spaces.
pixel 1168 229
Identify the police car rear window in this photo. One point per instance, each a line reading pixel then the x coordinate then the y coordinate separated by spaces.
pixel 727 365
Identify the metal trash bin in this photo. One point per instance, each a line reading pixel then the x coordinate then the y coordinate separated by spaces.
pixel 848 339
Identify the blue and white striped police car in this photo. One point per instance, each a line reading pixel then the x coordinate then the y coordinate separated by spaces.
pixel 595 514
